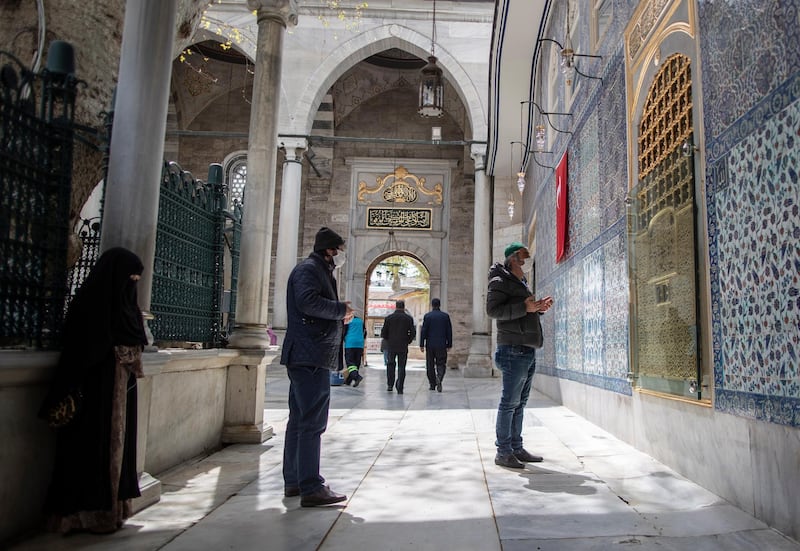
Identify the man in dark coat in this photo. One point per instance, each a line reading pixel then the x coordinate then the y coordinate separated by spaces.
pixel 435 339
pixel 399 331
pixel 510 301
pixel 311 349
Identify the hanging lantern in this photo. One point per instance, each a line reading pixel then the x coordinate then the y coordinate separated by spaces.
pixel 541 137
pixel 567 63
pixel 431 81
pixel 431 89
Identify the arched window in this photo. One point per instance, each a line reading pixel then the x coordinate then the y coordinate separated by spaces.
pixel 235 177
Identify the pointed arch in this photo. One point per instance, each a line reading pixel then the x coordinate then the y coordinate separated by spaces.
pixel 301 118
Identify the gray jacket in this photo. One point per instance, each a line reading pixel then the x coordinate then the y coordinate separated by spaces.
pixel 505 302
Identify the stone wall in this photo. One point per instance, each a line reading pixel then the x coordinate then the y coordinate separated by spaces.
pixel 188 402
pixel 389 115
pixel 94 29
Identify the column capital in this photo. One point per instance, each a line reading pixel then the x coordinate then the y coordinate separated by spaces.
pixel 282 11
pixel 294 147
pixel 478 154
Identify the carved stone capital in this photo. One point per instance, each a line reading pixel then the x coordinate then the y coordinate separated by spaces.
pixel 478 154
pixel 294 147
pixel 282 11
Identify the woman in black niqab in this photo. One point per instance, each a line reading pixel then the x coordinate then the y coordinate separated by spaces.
pixel 94 476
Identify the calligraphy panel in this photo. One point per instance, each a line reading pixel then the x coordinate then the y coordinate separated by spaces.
pixel 407 219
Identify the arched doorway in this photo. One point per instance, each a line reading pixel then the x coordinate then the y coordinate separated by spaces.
pixel 393 276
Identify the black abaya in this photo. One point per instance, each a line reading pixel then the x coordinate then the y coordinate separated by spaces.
pixel 100 443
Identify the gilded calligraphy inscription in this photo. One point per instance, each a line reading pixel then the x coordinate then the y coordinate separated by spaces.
pixel 400 186
pixel 410 219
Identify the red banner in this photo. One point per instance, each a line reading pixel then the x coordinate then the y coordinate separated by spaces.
pixel 561 208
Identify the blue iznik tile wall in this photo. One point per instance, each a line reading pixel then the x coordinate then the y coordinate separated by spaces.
pixel 751 88
pixel 588 325
pixel 749 48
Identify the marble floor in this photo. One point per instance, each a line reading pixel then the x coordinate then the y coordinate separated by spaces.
pixel 419 473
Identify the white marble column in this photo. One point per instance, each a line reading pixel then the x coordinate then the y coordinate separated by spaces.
pixel 252 299
pixel 130 209
pixel 288 227
pixel 244 403
pixel 479 362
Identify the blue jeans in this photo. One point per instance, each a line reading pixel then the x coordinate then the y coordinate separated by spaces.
pixel 309 398
pixel 517 364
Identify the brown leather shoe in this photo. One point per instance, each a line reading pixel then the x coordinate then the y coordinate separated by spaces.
pixel 323 496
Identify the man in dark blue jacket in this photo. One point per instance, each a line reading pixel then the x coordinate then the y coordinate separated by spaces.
pixel 435 339
pixel 399 331
pixel 311 349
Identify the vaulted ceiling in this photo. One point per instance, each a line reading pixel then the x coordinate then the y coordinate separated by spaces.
pixel 518 25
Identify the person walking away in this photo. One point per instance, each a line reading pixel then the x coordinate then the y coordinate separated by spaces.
pixel 519 333
pixel 435 339
pixel 354 339
pixel 94 474
pixel 385 351
pixel 312 348
pixel 399 331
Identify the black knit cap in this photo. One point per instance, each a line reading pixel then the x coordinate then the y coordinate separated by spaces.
pixel 327 239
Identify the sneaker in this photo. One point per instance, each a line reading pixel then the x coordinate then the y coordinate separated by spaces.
pixel 508 461
pixel 357 380
pixel 526 457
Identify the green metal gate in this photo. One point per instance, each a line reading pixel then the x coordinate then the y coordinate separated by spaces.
pixel 36 145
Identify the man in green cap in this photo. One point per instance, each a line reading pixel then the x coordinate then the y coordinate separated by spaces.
pixel 519 333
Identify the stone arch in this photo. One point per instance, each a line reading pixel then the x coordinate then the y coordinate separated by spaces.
pixel 404 247
pixel 225 83
pixel 371 42
pixel 364 263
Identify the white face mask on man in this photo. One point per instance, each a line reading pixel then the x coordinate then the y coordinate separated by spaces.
pixel 339 259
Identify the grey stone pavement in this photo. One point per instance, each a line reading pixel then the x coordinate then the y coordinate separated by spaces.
pixel 419 473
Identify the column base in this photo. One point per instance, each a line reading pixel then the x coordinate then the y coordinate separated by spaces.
pixel 246 434
pixel 249 336
pixel 150 487
pixel 479 361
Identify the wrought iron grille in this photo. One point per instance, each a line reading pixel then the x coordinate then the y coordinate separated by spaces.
pixel 89 234
pixel 188 266
pixel 234 231
pixel 662 240
pixel 36 145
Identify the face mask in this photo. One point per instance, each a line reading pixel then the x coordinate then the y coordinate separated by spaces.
pixel 339 259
